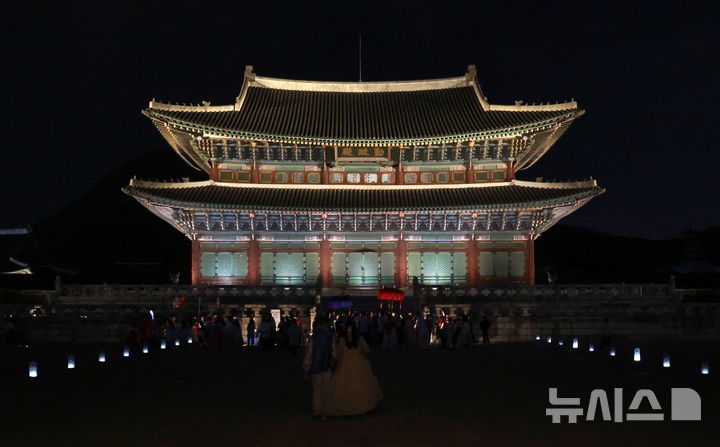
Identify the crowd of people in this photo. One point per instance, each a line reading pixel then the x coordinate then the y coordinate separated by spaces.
pixel 216 333
pixel 387 330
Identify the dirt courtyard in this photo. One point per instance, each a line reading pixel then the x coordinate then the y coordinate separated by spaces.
pixel 485 395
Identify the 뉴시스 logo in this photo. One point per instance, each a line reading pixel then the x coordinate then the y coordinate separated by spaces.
pixel 685 405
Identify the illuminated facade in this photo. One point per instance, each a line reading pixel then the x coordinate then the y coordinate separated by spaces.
pixel 362 184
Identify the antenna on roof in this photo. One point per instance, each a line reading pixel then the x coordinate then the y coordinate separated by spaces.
pixel 360 55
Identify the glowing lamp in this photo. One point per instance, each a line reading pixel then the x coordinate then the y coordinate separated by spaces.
pixel 189 341
pixel 32 369
pixel 560 343
pixel 177 342
pixel 163 345
pixel 145 348
pixel 576 344
pixel 537 337
pixel 636 355
pixel 101 356
pixel 71 362
pixel 612 352
pixel 549 339
pixel 126 352
pixel 705 369
pixel 591 348
pixel 666 361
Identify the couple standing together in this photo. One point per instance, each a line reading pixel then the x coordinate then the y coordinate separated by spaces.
pixel 349 389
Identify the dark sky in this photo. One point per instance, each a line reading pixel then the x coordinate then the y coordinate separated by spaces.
pixel 75 78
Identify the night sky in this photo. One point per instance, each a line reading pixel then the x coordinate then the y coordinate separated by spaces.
pixel 75 79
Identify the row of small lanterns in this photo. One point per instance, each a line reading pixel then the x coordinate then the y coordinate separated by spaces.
pixel 102 357
pixel 704 367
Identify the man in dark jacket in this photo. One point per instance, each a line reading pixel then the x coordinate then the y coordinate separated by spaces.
pixel 317 363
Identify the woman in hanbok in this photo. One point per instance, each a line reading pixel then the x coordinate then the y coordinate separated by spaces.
pixel 354 390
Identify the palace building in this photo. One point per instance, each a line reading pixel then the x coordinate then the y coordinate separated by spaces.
pixel 362 183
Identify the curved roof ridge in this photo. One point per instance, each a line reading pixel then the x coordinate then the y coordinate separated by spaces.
pixel 545 185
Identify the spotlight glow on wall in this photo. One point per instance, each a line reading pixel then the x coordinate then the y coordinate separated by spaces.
pixel 560 343
pixel 612 352
pixel 163 344
pixel 576 344
pixel 636 355
pixel 591 348
pixel 71 362
pixel 32 369
pixel 126 351
pixel 537 337
pixel 101 356
pixel 177 342
pixel 145 348
pixel 189 340
pixel 549 339
pixel 666 361
pixel 705 369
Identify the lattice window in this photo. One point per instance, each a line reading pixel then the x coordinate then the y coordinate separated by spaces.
pixel 459 263
pixel 426 177
pixel 363 268
pixel 501 264
pixel 370 177
pixel 443 177
pixel 313 177
pixel 517 263
pixel 410 177
pixel 281 177
pixel 353 177
pixel 481 176
pixel 336 177
pixel 387 267
pixel 207 265
pixel 298 177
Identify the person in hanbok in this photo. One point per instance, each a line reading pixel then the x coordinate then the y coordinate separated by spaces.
pixel 353 390
pixel 390 340
pixel 423 333
pixel 465 338
pixel 410 333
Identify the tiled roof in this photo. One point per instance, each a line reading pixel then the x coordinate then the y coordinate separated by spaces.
pixel 360 116
pixel 349 198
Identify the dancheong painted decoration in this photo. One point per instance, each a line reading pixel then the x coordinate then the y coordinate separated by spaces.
pixel 372 184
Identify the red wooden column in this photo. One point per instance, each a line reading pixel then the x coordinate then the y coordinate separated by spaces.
pixel 253 277
pixel 195 262
pixel 401 275
pixel 530 261
pixel 471 254
pixel 213 171
pixel 510 175
pixel 469 176
pixel 254 174
pixel 324 175
pixel 325 267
